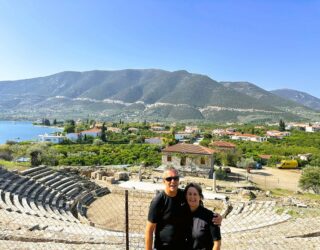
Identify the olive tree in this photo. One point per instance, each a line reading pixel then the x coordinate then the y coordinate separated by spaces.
pixel 42 153
pixel 310 179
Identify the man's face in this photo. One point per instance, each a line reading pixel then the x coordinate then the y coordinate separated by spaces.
pixel 171 182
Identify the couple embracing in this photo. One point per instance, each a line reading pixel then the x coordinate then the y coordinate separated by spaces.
pixel 179 220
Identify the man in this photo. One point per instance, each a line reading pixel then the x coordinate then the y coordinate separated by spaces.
pixel 168 216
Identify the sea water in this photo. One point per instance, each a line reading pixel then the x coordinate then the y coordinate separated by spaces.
pixel 22 131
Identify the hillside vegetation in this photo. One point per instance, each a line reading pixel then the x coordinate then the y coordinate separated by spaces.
pixel 135 95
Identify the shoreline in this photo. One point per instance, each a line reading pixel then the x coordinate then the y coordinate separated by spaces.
pixel 24 131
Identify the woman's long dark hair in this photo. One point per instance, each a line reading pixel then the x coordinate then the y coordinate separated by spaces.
pixel 197 187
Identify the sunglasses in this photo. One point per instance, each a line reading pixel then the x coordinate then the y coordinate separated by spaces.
pixel 175 178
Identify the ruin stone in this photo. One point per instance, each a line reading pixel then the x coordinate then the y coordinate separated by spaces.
pixel 122 176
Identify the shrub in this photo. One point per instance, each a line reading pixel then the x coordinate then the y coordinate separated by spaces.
pixel 221 174
pixel 310 179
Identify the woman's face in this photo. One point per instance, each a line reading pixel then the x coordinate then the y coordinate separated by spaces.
pixel 193 198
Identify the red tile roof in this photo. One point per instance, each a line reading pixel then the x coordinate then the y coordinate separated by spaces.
pixel 93 130
pixel 245 135
pixel 189 149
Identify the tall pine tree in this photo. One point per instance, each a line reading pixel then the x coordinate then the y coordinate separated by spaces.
pixel 103 132
pixel 282 125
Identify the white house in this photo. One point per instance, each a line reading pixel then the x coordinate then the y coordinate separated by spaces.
pixel 313 128
pixel 277 134
pixel 248 137
pixel 305 157
pixel 51 138
pixel 94 132
pixel 72 136
pixel 157 128
pixel 182 135
pixel 192 129
pixel 153 140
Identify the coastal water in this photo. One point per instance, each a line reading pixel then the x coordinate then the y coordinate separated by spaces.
pixel 22 131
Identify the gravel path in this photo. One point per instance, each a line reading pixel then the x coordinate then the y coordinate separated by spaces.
pixel 269 178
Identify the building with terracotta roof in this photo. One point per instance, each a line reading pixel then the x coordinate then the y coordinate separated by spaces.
pixel 189 158
pixel 223 146
pixel 94 132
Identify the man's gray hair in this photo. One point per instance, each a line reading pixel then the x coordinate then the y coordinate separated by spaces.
pixel 170 168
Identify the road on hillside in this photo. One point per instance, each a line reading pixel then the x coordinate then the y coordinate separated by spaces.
pixel 269 178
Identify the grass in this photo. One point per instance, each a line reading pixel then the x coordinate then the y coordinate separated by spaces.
pixel 280 210
pixel 9 165
pixel 277 192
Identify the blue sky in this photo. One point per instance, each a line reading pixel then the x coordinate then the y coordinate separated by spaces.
pixel 273 44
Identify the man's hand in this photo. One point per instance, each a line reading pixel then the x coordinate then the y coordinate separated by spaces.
pixel 150 227
pixel 217 219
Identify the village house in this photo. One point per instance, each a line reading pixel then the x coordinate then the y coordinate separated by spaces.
pixel 72 136
pixel 180 136
pixel 248 137
pixel 51 138
pixel 94 132
pixel 277 134
pixel 154 140
pixel 133 130
pixel 305 157
pixel 189 158
pixel 224 132
pixel 312 128
pixel 219 132
pixel 231 130
pixel 192 129
pixel 299 126
pixel 157 128
pixel 223 146
pixel 114 130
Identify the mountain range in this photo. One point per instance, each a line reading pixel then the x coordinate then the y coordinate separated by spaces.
pixel 299 97
pixel 153 94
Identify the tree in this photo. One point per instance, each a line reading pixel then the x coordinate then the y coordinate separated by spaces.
pixel 205 142
pixel 282 125
pixel 207 136
pixel 310 179
pixel 35 157
pixel 103 132
pixel 97 142
pixel 6 152
pixel 70 126
pixel 45 122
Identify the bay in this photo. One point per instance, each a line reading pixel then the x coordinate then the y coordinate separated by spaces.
pixel 22 131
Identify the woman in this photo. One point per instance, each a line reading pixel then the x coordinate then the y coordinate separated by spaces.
pixel 204 234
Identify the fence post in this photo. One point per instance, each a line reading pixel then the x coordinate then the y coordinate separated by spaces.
pixel 127 218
